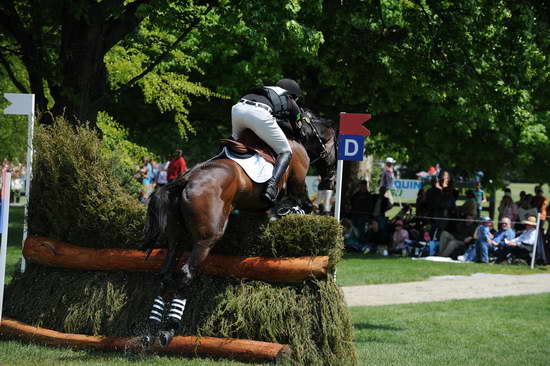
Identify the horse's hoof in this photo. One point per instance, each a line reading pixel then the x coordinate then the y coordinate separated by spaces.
pixel 147 341
pixel 165 337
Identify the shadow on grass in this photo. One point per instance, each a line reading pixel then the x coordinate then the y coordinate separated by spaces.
pixel 364 326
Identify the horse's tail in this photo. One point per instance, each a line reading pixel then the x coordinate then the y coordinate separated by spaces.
pixel 163 201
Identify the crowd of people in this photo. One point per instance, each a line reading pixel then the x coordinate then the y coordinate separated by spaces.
pixel 438 225
pixel 153 174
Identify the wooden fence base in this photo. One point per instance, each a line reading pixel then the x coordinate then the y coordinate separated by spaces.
pixel 242 349
pixel 59 254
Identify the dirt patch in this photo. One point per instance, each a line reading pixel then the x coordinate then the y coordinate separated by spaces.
pixel 442 288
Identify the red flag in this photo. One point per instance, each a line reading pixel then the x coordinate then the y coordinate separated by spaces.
pixel 352 124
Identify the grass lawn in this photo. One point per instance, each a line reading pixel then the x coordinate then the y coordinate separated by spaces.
pixel 502 331
pixel 358 269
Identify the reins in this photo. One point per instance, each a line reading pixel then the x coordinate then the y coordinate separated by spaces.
pixel 324 152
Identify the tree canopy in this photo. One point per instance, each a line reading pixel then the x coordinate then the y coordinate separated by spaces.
pixel 462 83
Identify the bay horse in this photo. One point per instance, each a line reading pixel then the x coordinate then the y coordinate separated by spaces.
pixel 199 203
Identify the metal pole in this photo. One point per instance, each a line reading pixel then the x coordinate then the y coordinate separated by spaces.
pixel 28 178
pixel 534 254
pixel 339 173
pixel 4 243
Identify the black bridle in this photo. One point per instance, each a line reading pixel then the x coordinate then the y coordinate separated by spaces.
pixel 323 144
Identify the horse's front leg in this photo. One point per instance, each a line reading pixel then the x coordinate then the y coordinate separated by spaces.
pixel 209 233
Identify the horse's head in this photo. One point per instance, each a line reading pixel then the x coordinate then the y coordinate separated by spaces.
pixel 319 139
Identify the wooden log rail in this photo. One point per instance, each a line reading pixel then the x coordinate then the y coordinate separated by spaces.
pixel 55 253
pixel 190 346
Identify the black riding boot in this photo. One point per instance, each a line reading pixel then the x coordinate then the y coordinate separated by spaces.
pixel 271 191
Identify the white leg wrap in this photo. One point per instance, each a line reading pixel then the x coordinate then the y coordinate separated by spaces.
pixel 158 309
pixel 177 307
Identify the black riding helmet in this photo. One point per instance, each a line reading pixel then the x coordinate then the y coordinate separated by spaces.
pixel 290 86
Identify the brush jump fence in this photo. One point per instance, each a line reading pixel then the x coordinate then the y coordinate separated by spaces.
pixel 58 254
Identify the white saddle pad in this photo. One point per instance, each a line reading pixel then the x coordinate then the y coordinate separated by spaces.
pixel 256 167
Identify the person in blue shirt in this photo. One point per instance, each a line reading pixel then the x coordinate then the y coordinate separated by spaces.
pixel 479 252
pixel 480 198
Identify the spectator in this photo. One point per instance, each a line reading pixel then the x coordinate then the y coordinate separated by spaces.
pixel 433 198
pixel 452 243
pixel 325 195
pixel 387 177
pixel 147 179
pixel 400 238
pixel 521 196
pixel 526 208
pixel 505 233
pixel 177 166
pixel 521 246
pixel 484 237
pixel 381 205
pixel 362 204
pixel 374 237
pixel 469 207
pixel 507 208
pixel 480 198
pixel 161 177
pixel 421 204
pixel 351 236
pixel 540 203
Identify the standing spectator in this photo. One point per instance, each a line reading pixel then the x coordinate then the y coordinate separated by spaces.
pixel 351 236
pixel 177 166
pixel 324 196
pixel 381 205
pixel 507 208
pixel 480 198
pixel 147 179
pixel 469 207
pixel 161 177
pixel 526 208
pixel 521 196
pixel 362 203
pixel 540 203
pixel 387 177
pixel 484 237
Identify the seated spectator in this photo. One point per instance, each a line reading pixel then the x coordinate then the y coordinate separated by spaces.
pixel 452 243
pixel 400 238
pixel 374 237
pixel 521 246
pixel 351 236
pixel 507 208
pixel 469 207
pixel 505 233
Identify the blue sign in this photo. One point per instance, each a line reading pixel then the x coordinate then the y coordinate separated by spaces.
pixel 351 147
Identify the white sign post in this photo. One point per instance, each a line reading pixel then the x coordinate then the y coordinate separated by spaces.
pixel 24 104
pixel 4 221
pixel 534 254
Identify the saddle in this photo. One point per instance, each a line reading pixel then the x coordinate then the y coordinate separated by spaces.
pixel 249 144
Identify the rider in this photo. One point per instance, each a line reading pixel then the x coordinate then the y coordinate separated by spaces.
pixel 259 111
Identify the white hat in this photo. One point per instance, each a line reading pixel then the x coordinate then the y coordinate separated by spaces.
pixel 390 161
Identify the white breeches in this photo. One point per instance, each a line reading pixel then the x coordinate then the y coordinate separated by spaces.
pixel 263 124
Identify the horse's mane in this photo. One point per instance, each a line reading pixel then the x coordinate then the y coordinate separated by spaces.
pixel 323 121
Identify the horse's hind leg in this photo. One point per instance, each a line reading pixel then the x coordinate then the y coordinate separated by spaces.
pixel 159 303
pixel 210 229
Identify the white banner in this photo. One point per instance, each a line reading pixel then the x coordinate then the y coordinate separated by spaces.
pixel 406 189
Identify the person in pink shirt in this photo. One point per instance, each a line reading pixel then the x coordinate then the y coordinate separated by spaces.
pixel 400 236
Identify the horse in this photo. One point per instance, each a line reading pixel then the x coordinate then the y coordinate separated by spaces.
pixel 199 203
